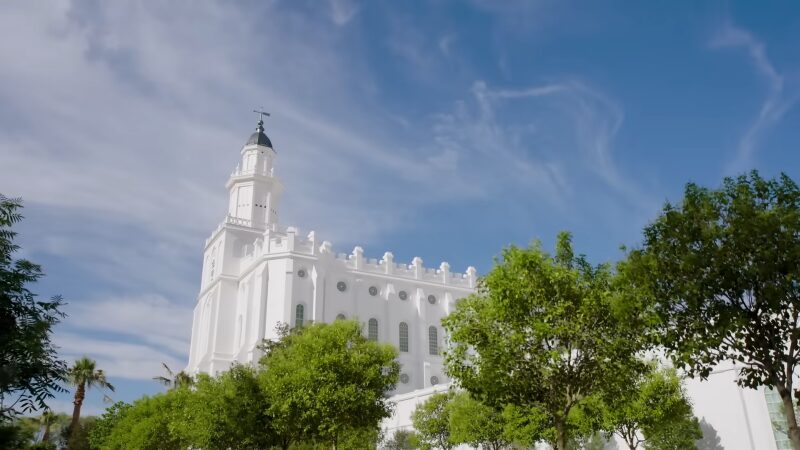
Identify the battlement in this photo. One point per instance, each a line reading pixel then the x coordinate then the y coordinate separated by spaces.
pixel 276 240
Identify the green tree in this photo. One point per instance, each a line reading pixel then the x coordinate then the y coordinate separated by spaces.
pixel 84 374
pixel 402 440
pixel 325 380
pixel 174 380
pixel 543 334
pixel 722 269
pixel 227 412
pixel 474 423
pixel 105 424
pixel 30 371
pixel 143 425
pixel 431 421
pixel 655 413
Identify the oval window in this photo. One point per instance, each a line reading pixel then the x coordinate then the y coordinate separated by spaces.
pixel 434 380
pixel 432 299
pixel 301 273
pixel 341 286
pixel 403 295
pixel 404 378
pixel 373 291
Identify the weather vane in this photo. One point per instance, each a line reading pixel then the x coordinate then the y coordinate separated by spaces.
pixel 262 113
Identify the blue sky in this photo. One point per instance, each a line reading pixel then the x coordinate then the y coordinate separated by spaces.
pixel 440 129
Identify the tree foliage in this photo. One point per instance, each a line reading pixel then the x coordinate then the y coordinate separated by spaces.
pixel 326 380
pixel 722 269
pixel 142 425
pixel 30 370
pixel 431 421
pixel 655 413
pixel 402 440
pixel 228 412
pixel 476 424
pixel 543 334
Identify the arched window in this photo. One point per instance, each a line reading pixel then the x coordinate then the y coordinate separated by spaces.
pixel 372 329
pixel 299 310
pixel 340 317
pixel 433 341
pixel 403 337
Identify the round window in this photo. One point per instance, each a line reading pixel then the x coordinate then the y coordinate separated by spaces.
pixel 301 273
pixel 434 380
pixel 341 286
pixel 403 295
pixel 373 291
pixel 432 299
pixel 404 378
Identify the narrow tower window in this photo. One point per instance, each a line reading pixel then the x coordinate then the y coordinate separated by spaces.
pixel 433 341
pixel 298 316
pixel 403 337
pixel 372 329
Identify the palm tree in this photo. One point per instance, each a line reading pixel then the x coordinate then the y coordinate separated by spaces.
pixel 174 380
pixel 84 375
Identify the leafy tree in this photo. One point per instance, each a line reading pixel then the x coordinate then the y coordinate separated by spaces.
pixel 105 424
pixel 143 425
pixel 543 334
pixel 325 380
pixel 656 413
pixel 30 371
pixel 723 272
pixel 431 420
pixel 174 380
pixel 402 440
pixel 227 412
pixel 474 423
pixel 84 375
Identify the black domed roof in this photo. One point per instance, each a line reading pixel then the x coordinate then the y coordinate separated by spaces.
pixel 259 138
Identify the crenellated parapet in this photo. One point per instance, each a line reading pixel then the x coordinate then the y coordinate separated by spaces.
pixel 275 241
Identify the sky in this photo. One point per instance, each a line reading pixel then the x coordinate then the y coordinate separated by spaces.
pixel 442 129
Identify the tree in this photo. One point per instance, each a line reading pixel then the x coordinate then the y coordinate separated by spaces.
pixel 106 423
pixel 431 421
pixel 656 413
pixel 543 334
pixel 174 380
pixel 474 423
pixel 143 425
pixel 402 440
pixel 84 375
pixel 229 411
pixel 30 371
pixel 325 380
pixel 723 272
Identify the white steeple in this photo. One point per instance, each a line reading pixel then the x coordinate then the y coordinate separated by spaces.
pixel 254 191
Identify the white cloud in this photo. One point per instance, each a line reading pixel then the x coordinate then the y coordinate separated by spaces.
pixel 118 358
pixel 151 319
pixel 777 102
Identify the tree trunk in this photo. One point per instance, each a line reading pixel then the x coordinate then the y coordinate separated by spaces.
pixel 80 394
pixel 46 435
pixel 791 418
pixel 561 438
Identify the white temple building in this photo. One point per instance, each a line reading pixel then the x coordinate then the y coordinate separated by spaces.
pixel 257 274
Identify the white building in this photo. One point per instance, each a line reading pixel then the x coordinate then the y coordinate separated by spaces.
pixel 257 274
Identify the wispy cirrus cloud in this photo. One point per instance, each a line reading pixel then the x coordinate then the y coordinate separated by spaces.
pixel 778 100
